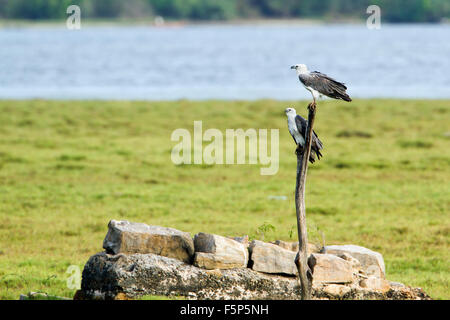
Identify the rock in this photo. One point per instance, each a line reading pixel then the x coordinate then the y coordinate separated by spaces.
pixel 121 296
pixel 293 246
pixel 396 284
pixel 209 261
pixel 356 265
pixel 336 290
pixel 286 245
pixel 217 252
pixel 122 276
pixel 407 293
pixel 40 296
pixel 375 283
pixel 372 262
pixel 243 240
pixel 214 261
pixel 130 237
pixel 329 268
pixel 271 258
pixel 106 276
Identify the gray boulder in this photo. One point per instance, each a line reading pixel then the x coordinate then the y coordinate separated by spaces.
pixel 375 283
pixel 122 276
pixel 328 268
pixel 131 237
pixel 243 240
pixel 217 252
pixel 106 276
pixel 372 262
pixel 271 258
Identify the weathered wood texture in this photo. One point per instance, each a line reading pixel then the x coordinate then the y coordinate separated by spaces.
pixel 301 260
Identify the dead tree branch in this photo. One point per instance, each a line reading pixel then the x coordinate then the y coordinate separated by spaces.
pixel 301 260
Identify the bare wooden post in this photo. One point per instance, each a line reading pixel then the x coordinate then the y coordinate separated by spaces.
pixel 301 260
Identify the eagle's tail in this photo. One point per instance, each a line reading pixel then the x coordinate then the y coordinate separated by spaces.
pixel 339 90
pixel 312 157
pixel 345 97
pixel 318 154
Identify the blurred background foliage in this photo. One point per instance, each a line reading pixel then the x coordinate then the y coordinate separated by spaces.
pixel 392 10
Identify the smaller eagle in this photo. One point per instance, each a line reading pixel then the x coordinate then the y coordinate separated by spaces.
pixel 297 128
pixel 320 84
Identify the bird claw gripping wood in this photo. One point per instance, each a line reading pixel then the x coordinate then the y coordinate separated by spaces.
pixel 312 106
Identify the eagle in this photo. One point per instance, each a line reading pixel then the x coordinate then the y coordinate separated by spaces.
pixel 297 128
pixel 320 84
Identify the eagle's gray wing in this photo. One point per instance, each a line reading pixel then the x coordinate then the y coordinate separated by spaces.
pixel 316 144
pixel 325 85
pixel 301 125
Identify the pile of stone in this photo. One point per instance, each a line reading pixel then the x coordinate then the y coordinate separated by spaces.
pixel 142 259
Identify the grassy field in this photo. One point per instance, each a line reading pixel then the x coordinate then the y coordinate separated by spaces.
pixel 68 167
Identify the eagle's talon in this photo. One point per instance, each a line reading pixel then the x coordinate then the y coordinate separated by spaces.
pixel 312 106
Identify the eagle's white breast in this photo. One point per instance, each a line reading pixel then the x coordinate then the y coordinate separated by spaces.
pixel 292 126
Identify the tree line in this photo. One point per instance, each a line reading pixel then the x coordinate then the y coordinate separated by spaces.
pixel 392 10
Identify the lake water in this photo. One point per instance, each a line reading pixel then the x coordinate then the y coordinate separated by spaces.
pixel 222 61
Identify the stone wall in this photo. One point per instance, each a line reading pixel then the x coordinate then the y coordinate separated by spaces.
pixel 151 260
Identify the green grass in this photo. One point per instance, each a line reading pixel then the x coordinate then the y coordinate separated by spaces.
pixel 68 167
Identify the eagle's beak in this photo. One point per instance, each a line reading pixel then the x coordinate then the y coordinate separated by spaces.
pixel 292 67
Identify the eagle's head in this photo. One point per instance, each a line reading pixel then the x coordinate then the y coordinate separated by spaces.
pixel 300 68
pixel 290 112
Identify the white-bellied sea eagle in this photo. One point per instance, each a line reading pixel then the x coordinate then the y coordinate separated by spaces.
pixel 320 84
pixel 297 128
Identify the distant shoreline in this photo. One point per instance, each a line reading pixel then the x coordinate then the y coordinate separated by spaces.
pixel 7 23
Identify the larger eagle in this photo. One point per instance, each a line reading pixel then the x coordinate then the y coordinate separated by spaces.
pixel 320 84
